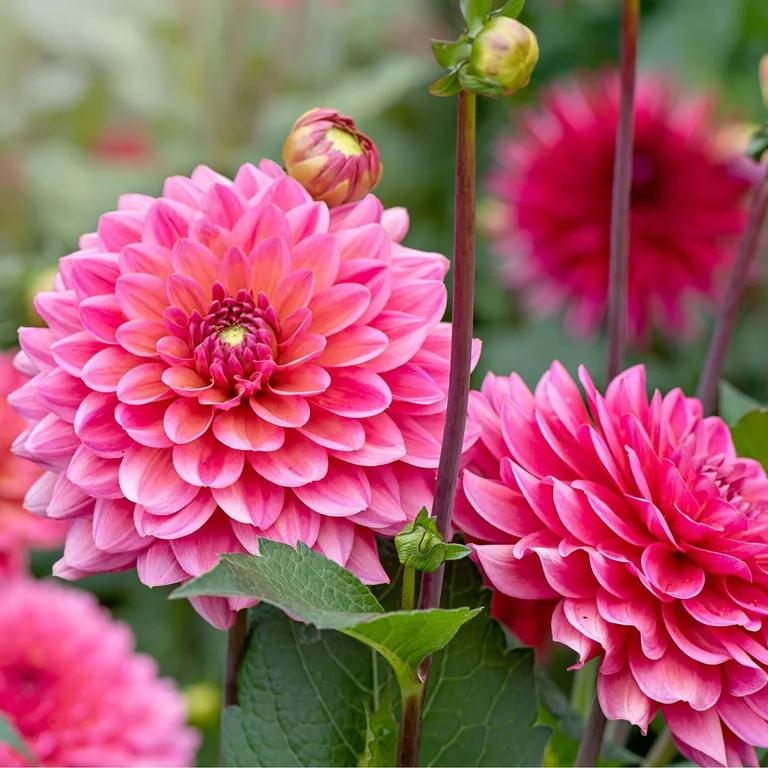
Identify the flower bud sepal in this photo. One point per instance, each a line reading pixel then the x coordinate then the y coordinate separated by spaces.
pixel 421 547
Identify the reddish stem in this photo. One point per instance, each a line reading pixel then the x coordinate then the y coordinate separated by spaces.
pixel 729 308
pixel 621 192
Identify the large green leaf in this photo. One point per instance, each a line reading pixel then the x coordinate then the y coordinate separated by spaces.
pixel 750 436
pixel 304 695
pixel 10 736
pixel 734 404
pixel 314 589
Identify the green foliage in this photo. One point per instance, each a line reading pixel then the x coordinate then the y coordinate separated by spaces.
pixel 750 436
pixel 450 54
pixel 512 8
pixel 475 13
pixel 381 731
pixel 734 404
pixel 317 698
pixel 312 588
pixel 10 736
pixel 758 143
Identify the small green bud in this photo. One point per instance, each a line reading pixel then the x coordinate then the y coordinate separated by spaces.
pixel 503 56
pixel 420 545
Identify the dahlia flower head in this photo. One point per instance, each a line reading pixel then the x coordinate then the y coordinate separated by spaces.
pixel 550 205
pixel 232 361
pixel 20 531
pixel 75 690
pixel 634 525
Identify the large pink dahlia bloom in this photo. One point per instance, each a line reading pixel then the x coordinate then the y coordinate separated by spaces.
pixel 551 193
pixel 644 537
pixel 74 689
pixel 233 361
pixel 20 531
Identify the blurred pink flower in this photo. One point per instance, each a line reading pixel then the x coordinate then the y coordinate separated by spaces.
pixel 229 362
pixel 636 520
pixel 549 216
pixel 127 142
pixel 72 686
pixel 20 531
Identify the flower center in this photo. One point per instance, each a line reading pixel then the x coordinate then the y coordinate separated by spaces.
pixel 235 342
pixel 343 142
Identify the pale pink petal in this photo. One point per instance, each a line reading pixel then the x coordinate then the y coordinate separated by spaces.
pixel 206 462
pixel 341 493
pixel 186 420
pixel 251 499
pixel 298 462
pixel 241 429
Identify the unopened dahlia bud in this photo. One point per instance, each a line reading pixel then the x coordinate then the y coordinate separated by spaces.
pixel 504 54
pixel 420 545
pixel 334 161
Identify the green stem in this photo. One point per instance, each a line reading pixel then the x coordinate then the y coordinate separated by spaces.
pixel 409 588
pixel 663 750
pixel 583 691
pixel 410 726
pixel 236 643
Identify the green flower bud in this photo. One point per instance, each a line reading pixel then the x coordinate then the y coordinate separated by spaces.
pixel 420 545
pixel 503 55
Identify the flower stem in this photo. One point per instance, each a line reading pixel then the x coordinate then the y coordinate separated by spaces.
pixel 729 308
pixel 663 750
pixel 409 588
pixel 236 643
pixel 461 337
pixel 592 738
pixel 410 726
pixel 618 279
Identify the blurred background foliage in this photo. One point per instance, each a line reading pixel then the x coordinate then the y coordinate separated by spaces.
pixel 99 97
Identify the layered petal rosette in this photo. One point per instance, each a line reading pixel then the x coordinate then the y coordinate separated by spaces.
pixel 633 524
pixel 20 531
pixel 550 204
pixel 74 689
pixel 234 361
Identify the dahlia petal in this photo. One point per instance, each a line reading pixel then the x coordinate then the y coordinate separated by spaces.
pixel 146 258
pixel 91 274
pixel 344 491
pixel 569 576
pixel 36 343
pixel 674 678
pixel 355 392
pixel 241 429
pixel 194 260
pixel 376 276
pixel 104 370
pixel 113 529
pixel 333 432
pixel 235 270
pixel 499 505
pixel 205 462
pixel 621 699
pixel 61 311
pixel 364 560
pixel 412 384
pixel 293 292
pixel 74 351
pixel 215 610
pixel 58 392
pixel 141 296
pixel 515 577
pixel 743 681
pixel 423 438
pixel 251 499
pixel 298 462
pixel 281 411
pixel 95 475
pixel 383 443
pixel 319 253
pixel 271 259
pixel 186 420
pixel 82 554
pixel 143 384
pixel 140 337
pixel 163 225
pixel 184 381
pixel 674 575
pixel 354 345
pixel 96 427
pixel 306 380
pixel 116 230
pixel 743 721
pixel 174 351
pixel 51 441
pixel 224 205
pixel 337 307
pixel 200 551
pixel 307 220
pixel 101 316
pixel 147 477
pixel 694 640
pixel 300 349
pixel 406 334
pixel 186 521
pixel 700 730
pixel 144 423
pixel 395 222
pixel 157 566
pixel 186 293
pixel 564 632
pixel 336 539
pixel 258 225
pixel 294 524
pixel 711 607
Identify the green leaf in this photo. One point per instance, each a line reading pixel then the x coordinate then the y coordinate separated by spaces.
pixel 448 85
pixel 450 54
pixel 478 85
pixel 475 13
pixel 314 589
pixel 10 736
pixel 381 733
pixel 512 8
pixel 734 404
pixel 303 695
pixel 750 436
pixel 758 143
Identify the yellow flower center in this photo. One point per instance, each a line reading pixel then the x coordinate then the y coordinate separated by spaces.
pixel 343 141
pixel 233 335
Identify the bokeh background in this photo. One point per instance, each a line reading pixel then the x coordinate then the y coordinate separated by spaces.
pixel 100 97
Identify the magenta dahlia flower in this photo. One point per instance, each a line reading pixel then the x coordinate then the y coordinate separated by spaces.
pixel 20 531
pixel 643 535
pixel 233 361
pixel 551 204
pixel 72 686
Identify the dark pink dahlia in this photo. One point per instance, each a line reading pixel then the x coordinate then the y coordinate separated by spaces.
pixel 234 361
pixel 551 190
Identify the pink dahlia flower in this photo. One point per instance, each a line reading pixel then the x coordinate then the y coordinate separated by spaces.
pixel 74 689
pixel 551 190
pixel 644 537
pixel 19 530
pixel 232 361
